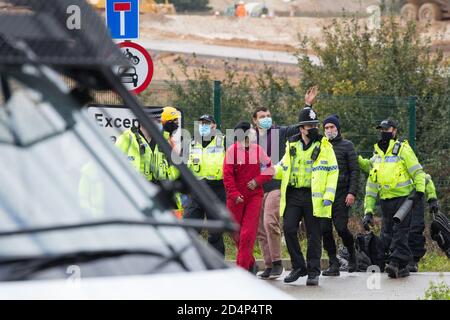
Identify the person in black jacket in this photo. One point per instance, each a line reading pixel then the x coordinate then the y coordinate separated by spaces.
pixel 273 139
pixel 347 188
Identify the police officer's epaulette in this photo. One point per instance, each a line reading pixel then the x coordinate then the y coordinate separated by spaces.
pixel 295 138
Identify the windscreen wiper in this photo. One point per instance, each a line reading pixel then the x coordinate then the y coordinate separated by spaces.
pixel 212 225
pixel 6 89
pixel 21 268
pixel 206 197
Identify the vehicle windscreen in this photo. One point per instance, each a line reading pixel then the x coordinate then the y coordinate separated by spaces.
pixel 57 168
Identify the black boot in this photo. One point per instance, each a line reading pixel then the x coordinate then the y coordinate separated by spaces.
pixel 277 269
pixel 412 267
pixel 295 274
pixel 392 270
pixel 313 280
pixel 333 269
pixel 403 272
pixel 254 269
pixel 352 262
pixel 266 274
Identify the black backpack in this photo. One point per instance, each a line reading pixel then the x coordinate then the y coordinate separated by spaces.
pixel 369 251
pixel 373 247
pixel 440 232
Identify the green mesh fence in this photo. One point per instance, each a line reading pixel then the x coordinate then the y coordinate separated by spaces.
pixel 433 143
pixel 359 115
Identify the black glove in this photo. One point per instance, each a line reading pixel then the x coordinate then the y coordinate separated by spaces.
pixel 419 196
pixel 368 220
pixel 434 205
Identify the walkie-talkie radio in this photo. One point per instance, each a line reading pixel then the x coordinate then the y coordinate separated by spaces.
pixel 315 153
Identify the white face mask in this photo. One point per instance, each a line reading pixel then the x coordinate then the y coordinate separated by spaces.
pixel 331 134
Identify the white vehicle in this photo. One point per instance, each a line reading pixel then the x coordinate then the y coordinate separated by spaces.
pixel 76 220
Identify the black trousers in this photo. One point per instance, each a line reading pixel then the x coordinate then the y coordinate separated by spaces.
pixel 193 210
pixel 416 239
pixel 395 236
pixel 298 206
pixel 339 218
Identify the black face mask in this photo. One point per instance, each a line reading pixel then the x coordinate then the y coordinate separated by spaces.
pixel 386 136
pixel 313 134
pixel 170 126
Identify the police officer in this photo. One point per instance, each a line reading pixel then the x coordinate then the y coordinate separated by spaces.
pixel 416 239
pixel 273 138
pixel 146 157
pixel 206 155
pixel 137 144
pixel 309 175
pixel 395 174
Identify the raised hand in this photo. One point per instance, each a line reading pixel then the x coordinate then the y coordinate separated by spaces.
pixel 311 95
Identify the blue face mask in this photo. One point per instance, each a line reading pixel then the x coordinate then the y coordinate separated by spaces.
pixel 204 129
pixel 265 123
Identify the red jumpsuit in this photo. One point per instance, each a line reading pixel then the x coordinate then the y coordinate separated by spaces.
pixel 241 165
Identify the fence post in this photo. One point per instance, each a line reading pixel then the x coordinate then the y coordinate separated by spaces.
pixel 217 103
pixel 412 121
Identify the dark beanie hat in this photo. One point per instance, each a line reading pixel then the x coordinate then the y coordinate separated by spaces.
pixel 243 126
pixel 334 119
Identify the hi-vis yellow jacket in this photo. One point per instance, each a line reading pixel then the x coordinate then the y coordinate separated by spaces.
pixel 207 163
pixel 430 190
pixel 393 175
pixel 152 164
pixel 324 173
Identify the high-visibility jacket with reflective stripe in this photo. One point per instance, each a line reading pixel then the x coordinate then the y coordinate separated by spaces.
pixel 365 164
pixel 128 144
pixel 152 164
pixel 393 176
pixel 430 189
pixel 207 163
pixel 301 166
pixel 323 176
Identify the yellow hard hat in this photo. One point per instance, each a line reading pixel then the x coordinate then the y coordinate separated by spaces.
pixel 169 113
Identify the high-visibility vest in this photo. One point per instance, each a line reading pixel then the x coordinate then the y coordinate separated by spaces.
pixel 137 151
pixel 207 163
pixel 394 174
pixel 300 170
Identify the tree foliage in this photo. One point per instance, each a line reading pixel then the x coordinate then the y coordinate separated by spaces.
pixel 365 75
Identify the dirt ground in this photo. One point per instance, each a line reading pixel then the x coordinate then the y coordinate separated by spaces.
pixel 276 33
pixel 302 6
pixel 215 66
